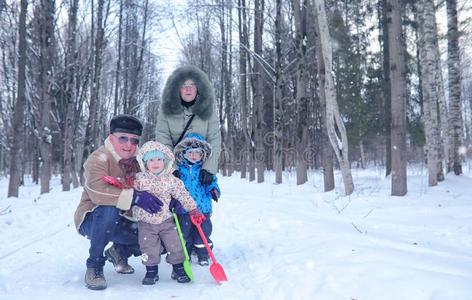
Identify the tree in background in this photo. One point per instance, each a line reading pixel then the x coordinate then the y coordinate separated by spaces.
pixel 398 93
pixel 430 88
pixel 18 115
pixel 269 83
pixel 44 86
pixel 69 98
pixel 335 126
pixel 454 83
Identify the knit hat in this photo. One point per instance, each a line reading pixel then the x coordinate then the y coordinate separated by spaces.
pixel 151 147
pixel 153 154
pixel 126 123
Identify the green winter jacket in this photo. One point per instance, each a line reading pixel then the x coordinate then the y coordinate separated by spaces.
pixel 173 116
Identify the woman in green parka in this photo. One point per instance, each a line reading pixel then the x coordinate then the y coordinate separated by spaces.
pixel 188 101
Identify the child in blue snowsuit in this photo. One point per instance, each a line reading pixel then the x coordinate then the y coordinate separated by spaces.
pixel 190 154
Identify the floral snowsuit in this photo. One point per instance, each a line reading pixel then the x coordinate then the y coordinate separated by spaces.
pixel 152 228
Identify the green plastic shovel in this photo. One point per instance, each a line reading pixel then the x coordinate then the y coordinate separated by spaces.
pixel 187 268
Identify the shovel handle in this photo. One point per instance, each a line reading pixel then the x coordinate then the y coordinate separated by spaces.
pixel 197 222
pixel 179 232
pixel 113 181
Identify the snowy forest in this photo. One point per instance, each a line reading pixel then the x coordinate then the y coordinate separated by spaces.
pixel 300 84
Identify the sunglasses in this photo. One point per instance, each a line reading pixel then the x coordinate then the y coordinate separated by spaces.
pixel 124 139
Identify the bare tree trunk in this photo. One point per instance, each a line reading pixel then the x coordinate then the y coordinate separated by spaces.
pixel 230 122
pixel 18 115
pixel 126 57
pixel 428 61
pixel 227 129
pixel 455 107
pixel 361 149
pixel 70 70
pixel 46 57
pixel 118 62
pixel 137 59
pixel 92 129
pixel 75 178
pixel 333 117
pixel 278 114
pixel 398 90
pixel 258 90
pixel 301 131
pixel 242 22
pixel 444 141
pixel 327 151
pixel 387 94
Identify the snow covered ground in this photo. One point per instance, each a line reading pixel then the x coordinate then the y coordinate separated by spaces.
pixel 273 241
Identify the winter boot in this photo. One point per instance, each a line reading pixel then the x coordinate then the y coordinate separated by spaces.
pixel 119 262
pixel 203 261
pixel 151 276
pixel 94 279
pixel 178 273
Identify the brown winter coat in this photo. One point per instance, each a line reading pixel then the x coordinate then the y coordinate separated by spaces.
pixel 103 161
pixel 164 186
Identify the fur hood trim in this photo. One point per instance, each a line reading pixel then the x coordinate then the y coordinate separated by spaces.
pixel 192 140
pixel 152 145
pixel 204 105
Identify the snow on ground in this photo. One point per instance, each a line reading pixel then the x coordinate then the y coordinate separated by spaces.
pixel 273 241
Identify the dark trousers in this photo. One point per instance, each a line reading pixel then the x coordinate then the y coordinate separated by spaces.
pixel 104 225
pixel 193 241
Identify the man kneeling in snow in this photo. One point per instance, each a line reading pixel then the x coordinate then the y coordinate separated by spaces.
pixel 98 214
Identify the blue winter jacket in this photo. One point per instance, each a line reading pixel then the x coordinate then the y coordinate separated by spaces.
pixel 190 175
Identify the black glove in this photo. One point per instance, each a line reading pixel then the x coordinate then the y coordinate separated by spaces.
pixel 147 201
pixel 176 207
pixel 176 173
pixel 214 194
pixel 205 177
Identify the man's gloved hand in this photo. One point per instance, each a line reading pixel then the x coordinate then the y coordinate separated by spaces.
pixel 214 194
pixel 176 173
pixel 176 207
pixel 197 215
pixel 206 177
pixel 147 201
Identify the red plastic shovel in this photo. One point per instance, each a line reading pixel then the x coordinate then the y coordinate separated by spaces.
pixel 216 269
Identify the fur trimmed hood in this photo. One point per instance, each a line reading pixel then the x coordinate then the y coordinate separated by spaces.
pixel 204 105
pixel 152 145
pixel 192 140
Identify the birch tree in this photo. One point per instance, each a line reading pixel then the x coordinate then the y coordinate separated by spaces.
pixel 335 127
pixel 428 62
pixel 327 158
pixel 454 73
